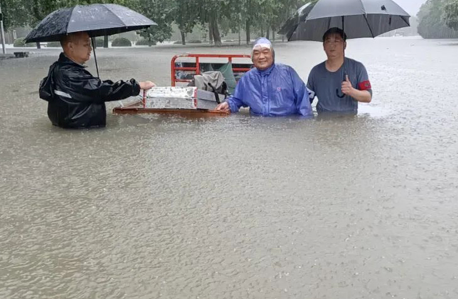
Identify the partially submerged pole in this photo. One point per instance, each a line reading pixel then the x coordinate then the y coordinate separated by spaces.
pixel 1 31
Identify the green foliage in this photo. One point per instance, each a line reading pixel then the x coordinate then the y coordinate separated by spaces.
pixel 145 42
pixel 431 20
pixel 15 13
pixel 98 42
pixel 185 15
pixel 161 12
pixel 451 14
pixel 219 17
pixel 20 43
pixel 53 45
pixel 121 42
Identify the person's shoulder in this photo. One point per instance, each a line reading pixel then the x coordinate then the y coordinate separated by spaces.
pixel 251 71
pixel 354 62
pixel 70 73
pixel 318 67
pixel 65 69
pixel 250 74
pixel 285 68
pixel 282 66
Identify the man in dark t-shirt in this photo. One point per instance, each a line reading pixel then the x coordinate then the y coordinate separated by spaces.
pixel 339 82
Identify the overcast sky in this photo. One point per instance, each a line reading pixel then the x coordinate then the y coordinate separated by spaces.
pixel 411 6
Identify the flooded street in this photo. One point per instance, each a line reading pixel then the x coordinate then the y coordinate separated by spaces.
pixel 236 207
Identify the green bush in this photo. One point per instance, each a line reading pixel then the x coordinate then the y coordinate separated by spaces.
pixel 53 44
pixel 20 43
pixel 195 41
pixel 121 42
pixel 145 42
pixel 178 42
pixel 98 41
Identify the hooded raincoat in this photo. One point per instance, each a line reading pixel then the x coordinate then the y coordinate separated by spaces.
pixel 276 91
pixel 76 99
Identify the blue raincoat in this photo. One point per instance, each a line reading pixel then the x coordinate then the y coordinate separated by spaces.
pixel 275 91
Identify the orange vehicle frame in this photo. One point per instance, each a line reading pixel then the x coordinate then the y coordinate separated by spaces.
pixel 196 69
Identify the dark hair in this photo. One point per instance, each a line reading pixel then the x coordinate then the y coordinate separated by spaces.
pixel 335 30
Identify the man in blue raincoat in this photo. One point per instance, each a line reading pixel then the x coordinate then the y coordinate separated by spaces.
pixel 269 89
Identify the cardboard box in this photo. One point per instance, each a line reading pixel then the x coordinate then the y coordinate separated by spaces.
pixel 181 98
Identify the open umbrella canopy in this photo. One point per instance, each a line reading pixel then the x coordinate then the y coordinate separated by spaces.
pixel 358 18
pixel 95 19
pixel 290 26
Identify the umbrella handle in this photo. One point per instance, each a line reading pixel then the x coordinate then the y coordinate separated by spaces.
pixel 341 96
pixel 95 57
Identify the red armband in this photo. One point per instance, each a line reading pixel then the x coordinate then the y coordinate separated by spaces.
pixel 365 85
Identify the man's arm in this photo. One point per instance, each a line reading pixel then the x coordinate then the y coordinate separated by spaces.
pixel 363 96
pixel 311 86
pixel 82 86
pixel 362 92
pixel 235 101
pixel 105 91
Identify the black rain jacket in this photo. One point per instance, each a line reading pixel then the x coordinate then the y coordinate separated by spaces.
pixel 76 99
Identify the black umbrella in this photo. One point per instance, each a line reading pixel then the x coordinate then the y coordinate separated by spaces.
pixel 95 19
pixel 358 18
pixel 290 26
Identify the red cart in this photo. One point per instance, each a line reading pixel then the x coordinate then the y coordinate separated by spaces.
pixel 183 69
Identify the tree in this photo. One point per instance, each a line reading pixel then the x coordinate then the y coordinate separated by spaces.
pixel 185 16
pixel 161 12
pixel 209 12
pixel 431 21
pixel 15 13
pixel 451 14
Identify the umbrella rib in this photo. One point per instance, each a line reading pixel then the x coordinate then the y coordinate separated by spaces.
pixel 369 26
pixel 365 17
pixel 115 15
pixel 407 22
pixel 69 18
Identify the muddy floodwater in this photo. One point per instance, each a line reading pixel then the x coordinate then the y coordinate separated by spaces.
pixel 155 206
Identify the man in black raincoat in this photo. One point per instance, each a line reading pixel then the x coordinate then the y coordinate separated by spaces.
pixel 76 99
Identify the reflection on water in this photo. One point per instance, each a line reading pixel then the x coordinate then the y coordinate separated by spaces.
pixel 236 207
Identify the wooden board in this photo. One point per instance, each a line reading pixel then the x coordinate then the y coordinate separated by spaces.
pixel 137 108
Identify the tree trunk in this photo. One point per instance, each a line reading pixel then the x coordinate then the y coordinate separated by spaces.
pixel 273 35
pixel 105 41
pixel 214 30
pixel 247 29
pixel 210 34
pixel 268 32
pixel 38 45
pixel 183 38
pixel 262 31
pixel 216 34
pixel 240 36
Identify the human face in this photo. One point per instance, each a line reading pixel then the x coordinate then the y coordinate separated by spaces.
pixel 334 46
pixel 263 58
pixel 80 48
